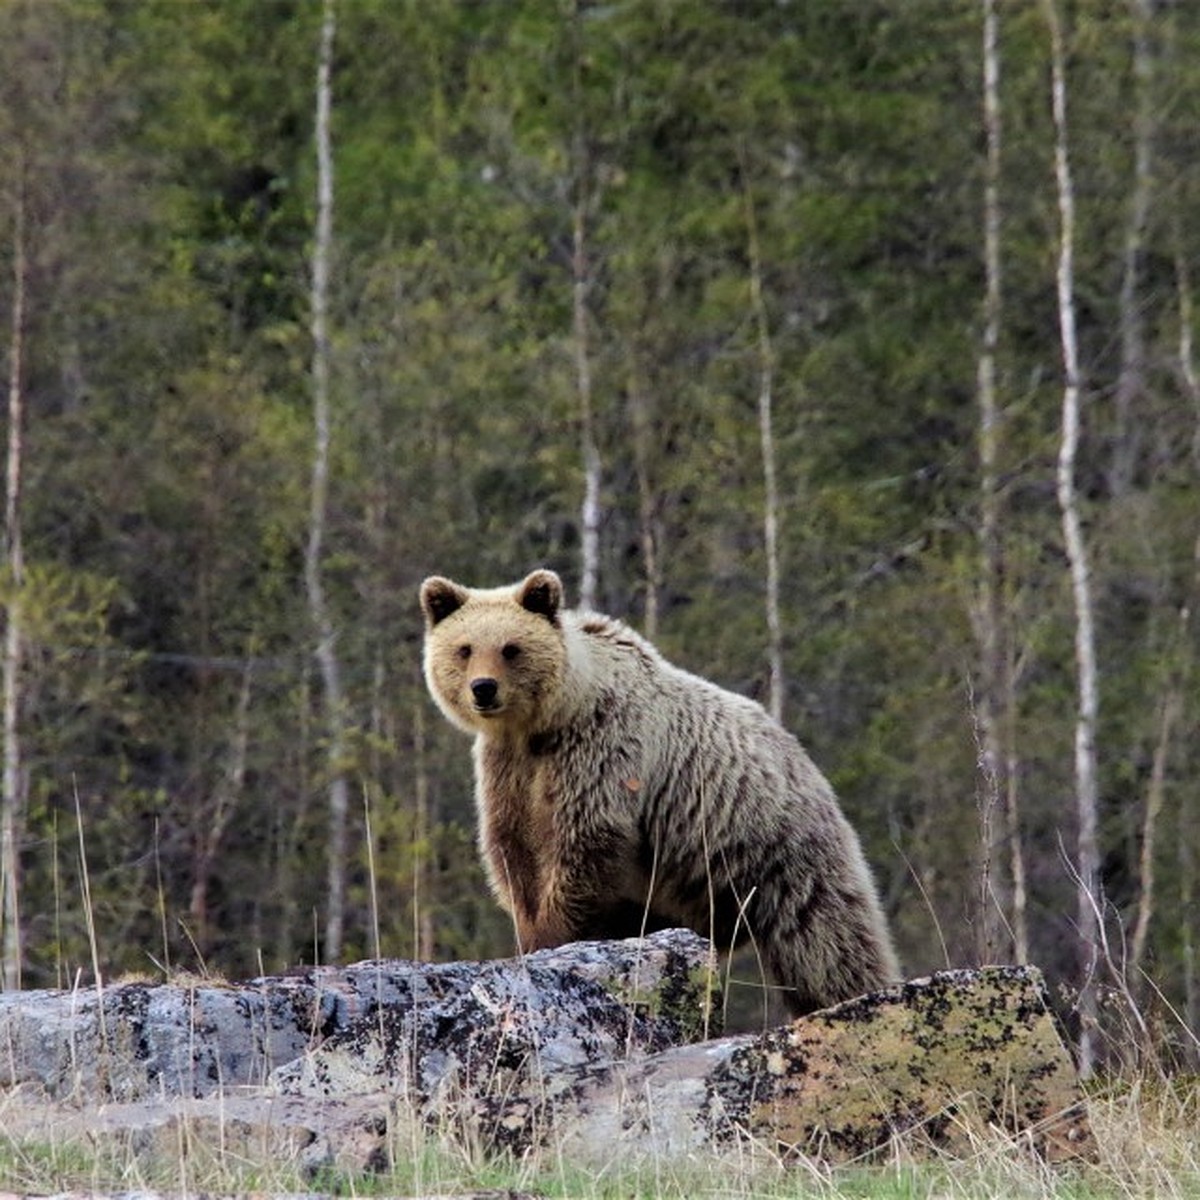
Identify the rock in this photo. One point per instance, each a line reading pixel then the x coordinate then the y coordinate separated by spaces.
pixel 500 1031
pixel 134 1040
pixel 584 1050
pixel 950 1058
pixel 252 1125
pixel 942 1060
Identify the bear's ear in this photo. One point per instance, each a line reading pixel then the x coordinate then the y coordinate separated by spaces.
pixel 541 593
pixel 439 598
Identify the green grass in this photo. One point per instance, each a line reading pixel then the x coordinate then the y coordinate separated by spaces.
pixel 1148 1138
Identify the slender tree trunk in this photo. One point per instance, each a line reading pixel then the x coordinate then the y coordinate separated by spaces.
pixel 12 798
pixel 1180 657
pixel 216 820
pixel 989 618
pixel 997 699
pixel 423 939
pixel 1019 909
pixel 590 514
pixel 580 279
pixel 1170 711
pixel 1189 817
pixel 1086 787
pixel 1187 358
pixel 1188 902
pixel 998 703
pixel 1131 379
pixel 766 385
pixel 326 653
pixel 639 416
pixel 288 828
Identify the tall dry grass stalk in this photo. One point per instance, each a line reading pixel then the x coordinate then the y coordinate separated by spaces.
pixel 1147 1139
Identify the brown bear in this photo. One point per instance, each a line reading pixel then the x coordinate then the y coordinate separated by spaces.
pixel 618 794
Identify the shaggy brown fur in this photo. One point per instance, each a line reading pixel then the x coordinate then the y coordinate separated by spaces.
pixel 618 793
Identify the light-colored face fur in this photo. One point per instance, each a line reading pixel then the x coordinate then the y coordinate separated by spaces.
pixel 494 657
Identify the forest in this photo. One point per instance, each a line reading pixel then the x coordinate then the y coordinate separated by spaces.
pixel 845 348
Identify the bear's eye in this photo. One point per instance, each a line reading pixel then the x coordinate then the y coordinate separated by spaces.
pixel 464 652
pixel 510 651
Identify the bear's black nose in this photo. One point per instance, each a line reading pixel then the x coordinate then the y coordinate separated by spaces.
pixel 484 691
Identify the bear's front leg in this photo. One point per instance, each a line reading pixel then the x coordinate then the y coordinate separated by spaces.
pixel 525 892
pixel 542 932
pixel 549 922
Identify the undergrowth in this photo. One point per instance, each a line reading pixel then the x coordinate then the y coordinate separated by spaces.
pixel 1147 1137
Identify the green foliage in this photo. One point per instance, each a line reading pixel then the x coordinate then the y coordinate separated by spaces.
pixel 170 688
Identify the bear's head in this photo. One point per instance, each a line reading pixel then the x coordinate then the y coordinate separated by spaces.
pixel 494 657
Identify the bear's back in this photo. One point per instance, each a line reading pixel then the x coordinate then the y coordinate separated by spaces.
pixel 693 736
pixel 609 654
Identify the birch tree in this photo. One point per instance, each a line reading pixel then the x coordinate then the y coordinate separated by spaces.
pixel 215 816
pixel 1188 809
pixel 640 422
pixel 12 799
pixel 1171 715
pixel 766 385
pixel 1170 712
pixel 996 699
pixel 1131 378
pixel 590 511
pixel 1130 398
pixel 323 628
pixel 988 614
pixel 580 284
pixel 1087 865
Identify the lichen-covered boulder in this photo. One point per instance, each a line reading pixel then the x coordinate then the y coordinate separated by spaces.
pixel 498 1028
pixel 948 1058
pixel 201 1037
pixel 137 1039
pixel 940 1061
pixel 583 1050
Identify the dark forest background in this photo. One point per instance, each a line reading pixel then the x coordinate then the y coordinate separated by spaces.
pixel 573 245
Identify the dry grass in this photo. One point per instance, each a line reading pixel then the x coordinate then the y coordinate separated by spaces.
pixel 1148 1137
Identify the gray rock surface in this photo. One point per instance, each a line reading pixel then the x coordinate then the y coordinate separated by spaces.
pixel 496 1029
pixel 422 1022
pixel 944 1062
pixel 594 1051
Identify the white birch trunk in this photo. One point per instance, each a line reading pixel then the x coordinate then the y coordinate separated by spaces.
pixel 1189 817
pixel 227 795
pixel 771 539
pixel 590 513
pixel 12 798
pixel 771 536
pixel 1019 906
pixel 1087 864
pixel 766 385
pixel 1131 379
pixel 639 417
pixel 580 281
pixel 326 653
pixel 997 702
pixel 422 900
pixel 988 616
